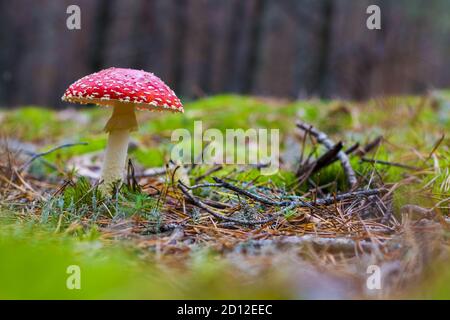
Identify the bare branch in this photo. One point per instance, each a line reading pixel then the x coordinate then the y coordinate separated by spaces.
pixel 42 154
pixel 388 163
pixel 323 139
pixel 201 205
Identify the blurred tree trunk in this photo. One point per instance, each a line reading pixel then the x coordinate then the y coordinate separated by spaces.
pixel 206 48
pixel 256 35
pixel 233 38
pixel 178 42
pixel 103 21
pixel 318 83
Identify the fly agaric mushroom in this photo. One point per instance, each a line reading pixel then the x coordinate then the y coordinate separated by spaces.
pixel 125 90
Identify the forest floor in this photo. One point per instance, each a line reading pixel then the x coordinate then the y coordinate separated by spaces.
pixel 303 233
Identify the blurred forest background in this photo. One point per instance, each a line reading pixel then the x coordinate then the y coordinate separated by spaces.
pixel 280 48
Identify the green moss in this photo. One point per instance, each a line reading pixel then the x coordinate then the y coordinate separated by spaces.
pixel 93 143
pixel 35 263
pixel 149 157
pixel 32 123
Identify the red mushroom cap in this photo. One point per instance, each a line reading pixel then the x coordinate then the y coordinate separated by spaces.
pixel 124 87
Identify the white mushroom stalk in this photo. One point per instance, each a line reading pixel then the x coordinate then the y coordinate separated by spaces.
pixel 119 126
pixel 125 90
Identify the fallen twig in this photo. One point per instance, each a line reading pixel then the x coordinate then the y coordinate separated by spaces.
pixel 42 154
pixel 352 149
pixel 203 185
pixel 336 244
pixel 297 202
pixel 246 193
pixel 388 163
pixel 201 205
pixel 347 196
pixel 370 146
pixel 329 144
pixel 305 171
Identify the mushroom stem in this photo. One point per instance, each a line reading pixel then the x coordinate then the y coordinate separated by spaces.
pixel 115 159
pixel 122 121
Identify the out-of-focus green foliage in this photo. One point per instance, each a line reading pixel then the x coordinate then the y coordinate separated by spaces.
pixel 34 263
